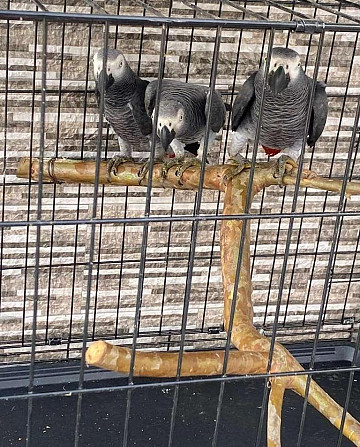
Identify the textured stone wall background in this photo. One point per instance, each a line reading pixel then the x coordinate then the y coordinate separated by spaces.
pixel 71 126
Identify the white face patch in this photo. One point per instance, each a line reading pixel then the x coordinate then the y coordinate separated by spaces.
pixel 180 116
pixel 291 66
pixel 167 121
pixel 113 66
pixel 172 118
pixel 97 66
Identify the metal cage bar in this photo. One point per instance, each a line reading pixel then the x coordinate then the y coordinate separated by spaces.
pixel 297 26
pixel 200 16
pixel 91 251
pixel 183 382
pixel 38 236
pixel 195 232
pixel 328 270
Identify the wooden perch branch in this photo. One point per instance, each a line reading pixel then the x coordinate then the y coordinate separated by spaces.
pixel 320 400
pixel 244 335
pixel 252 352
pixel 78 171
pixel 274 413
pixel 164 364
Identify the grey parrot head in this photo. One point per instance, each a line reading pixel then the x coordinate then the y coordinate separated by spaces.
pixel 116 67
pixel 171 121
pixel 285 68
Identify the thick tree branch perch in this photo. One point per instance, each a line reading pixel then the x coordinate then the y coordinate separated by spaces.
pixel 326 184
pixel 244 335
pixel 253 348
pixel 79 171
pixel 164 364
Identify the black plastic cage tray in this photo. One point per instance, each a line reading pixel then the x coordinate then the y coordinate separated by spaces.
pixel 104 407
pixel 66 372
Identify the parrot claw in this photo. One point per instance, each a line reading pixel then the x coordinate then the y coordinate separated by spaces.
pixel 280 171
pixel 114 163
pixel 184 166
pixel 169 164
pixel 241 164
pixel 145 169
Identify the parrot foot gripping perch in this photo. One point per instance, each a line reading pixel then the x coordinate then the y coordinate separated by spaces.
pixel 145 169
pixel 169 164
pixel 114 163
pixel 282 161
pixel 182 166
pixel 241 164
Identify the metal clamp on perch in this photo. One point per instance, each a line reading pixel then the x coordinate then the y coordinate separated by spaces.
pixel 309 26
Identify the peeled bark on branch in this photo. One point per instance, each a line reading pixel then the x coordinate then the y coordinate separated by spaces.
pixel 252 348
pixel 80 171
pixel 274 413
pixel 164 364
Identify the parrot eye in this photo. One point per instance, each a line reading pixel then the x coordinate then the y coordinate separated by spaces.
pixel 275 65
pixel 287 66
pixel 181 117
pixel 169 124
pixel 299 64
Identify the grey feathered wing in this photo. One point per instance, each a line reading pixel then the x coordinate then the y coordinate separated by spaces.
pixel 137 106
pixel 319 114
pixel 218 111
pixel 150 96
pixel 243 102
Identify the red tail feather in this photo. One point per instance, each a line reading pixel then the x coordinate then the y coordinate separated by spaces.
pixel 271 152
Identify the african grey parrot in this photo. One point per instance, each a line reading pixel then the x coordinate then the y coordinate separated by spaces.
pixel 286 103
pixel 124 107
pixel 182 117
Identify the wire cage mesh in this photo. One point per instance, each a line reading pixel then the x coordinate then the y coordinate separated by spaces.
pixel 79 264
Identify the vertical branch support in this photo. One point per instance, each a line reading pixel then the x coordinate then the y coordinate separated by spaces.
pixel 274 413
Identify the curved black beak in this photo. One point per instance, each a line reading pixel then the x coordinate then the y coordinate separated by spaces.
pixel 105 80
pixel 277 81
pixel 166 136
